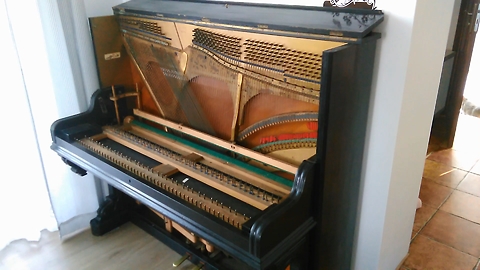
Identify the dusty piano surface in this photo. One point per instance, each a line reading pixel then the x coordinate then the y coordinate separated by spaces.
pixel 220 125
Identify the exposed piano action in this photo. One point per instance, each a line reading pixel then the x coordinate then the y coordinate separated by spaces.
pixel 216 135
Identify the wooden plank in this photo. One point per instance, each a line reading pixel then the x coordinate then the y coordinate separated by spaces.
pixel 218 142
pixel 215 183
pixel 193 157
pixel 165 170
pixel 216 163
pixel 168 222
pixel 98 137
pixel 189 235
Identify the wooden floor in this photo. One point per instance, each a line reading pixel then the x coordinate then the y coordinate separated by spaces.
pixel 127 247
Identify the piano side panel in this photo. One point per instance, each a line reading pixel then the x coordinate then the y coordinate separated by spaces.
pixel 343 120
pixel 275 230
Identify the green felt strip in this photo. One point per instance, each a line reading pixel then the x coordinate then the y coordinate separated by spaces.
pixel 231 160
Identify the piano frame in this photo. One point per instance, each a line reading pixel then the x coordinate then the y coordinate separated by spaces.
pixel 326 186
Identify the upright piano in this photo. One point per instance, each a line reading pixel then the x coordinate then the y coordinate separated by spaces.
pixel 232 132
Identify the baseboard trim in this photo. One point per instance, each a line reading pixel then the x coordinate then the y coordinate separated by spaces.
pixel 75 225
pixel 403 261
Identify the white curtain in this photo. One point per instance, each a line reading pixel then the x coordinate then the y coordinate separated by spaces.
pixel 48 72
pixel 24 203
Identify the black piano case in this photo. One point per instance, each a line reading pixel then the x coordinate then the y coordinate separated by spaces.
pixel 232 132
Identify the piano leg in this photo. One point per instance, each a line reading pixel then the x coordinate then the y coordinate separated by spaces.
pixel 114 212
pixel 298 259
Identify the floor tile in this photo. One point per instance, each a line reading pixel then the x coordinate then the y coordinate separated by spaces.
pixel 454 231
pixel 471 184
pixel 422 215
pixel 476 168
pixel 443 174
pixel 411 237
pixel 459 159
pixel 433 194
pixel 463 205
pixel 428 254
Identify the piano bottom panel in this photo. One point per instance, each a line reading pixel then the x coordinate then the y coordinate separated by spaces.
pixel 150 223
pixel 197 252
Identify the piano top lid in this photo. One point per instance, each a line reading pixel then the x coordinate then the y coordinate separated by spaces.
pixel 353 23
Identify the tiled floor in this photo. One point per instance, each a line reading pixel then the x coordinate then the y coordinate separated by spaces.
pixel 446 232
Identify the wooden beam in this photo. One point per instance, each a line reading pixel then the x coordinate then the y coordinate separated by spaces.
pixel 218 142
pixel 214 162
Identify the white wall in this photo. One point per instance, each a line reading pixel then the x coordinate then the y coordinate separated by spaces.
pixel 453 24
pixel 409 62
pixel 95 8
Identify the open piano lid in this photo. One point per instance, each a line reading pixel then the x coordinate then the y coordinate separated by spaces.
pixel 264 18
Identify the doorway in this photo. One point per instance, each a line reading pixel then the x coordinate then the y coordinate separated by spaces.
pixel 467 132
pixel 471 92
pixel 445 120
